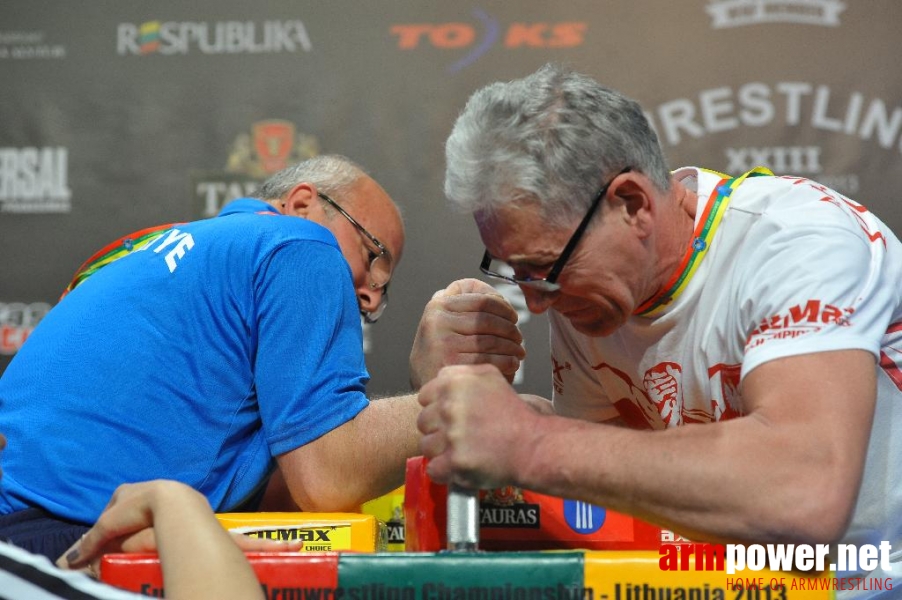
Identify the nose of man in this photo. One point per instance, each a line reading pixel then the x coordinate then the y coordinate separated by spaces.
pixel 537 301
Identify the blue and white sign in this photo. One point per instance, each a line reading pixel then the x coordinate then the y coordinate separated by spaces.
pixel 583 517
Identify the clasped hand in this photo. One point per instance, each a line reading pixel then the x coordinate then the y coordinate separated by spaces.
pixel 466 323
pixel 477 431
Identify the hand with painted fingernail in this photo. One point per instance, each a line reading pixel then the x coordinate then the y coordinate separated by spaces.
pixel 199 558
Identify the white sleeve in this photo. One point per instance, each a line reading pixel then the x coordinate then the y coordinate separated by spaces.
pixel 27 575
pixel 815 289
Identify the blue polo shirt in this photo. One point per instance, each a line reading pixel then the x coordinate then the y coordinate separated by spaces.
pixel 200 357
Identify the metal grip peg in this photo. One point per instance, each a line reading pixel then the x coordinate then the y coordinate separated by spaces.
pixel 463 519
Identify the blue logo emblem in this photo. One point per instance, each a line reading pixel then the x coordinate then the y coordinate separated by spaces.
pixel 583 517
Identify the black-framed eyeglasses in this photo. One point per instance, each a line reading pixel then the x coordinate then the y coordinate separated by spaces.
pixel 549 282
pixel 380 265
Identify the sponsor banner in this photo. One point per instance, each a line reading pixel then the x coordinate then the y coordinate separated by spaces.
pixel 609 575
pixel 736 13
pixel 805 105
pixel 386 576
pixel 173 114
pixel 514 519
pixel 17 321
pixel 320 532
pixel 28 45
pixel 268 147
pixel 169 38
pixel 35 180
pixel 481 32
pixel 389 509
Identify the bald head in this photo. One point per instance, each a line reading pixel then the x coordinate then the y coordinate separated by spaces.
pixel 336 193
pixel 332 174
pixel 374 209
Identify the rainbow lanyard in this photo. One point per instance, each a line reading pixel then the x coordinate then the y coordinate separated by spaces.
pixel 114 251
pixel 701 242
pixel 122 247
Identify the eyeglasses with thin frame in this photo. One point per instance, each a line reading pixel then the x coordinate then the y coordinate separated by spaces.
pixel 549 282
pixel 380 265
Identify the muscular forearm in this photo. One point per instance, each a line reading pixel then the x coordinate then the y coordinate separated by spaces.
pixel 789 470
pixel 742 480
pixel 360 460
pixel 383 438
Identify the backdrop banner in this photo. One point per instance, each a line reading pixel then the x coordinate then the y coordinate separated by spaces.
pixel 116 116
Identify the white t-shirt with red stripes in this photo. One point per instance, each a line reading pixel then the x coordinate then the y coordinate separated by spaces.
pixel 793 268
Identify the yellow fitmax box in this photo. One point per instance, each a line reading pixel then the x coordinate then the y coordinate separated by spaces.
pixel 320 532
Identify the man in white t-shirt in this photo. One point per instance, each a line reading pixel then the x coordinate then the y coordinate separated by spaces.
pixel 765 309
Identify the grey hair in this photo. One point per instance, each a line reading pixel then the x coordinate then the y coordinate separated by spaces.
pixel 553 137
pixel 332 174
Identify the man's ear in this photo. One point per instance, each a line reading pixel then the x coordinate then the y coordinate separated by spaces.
pixel 301 201
pixel 636 199
pixel 633 194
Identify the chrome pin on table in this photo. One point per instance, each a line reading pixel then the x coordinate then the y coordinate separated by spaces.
pixel 463 519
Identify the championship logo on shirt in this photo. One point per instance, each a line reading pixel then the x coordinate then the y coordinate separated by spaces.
pixel 632 402
pixel 658 402
pixel 663 382
pixel 557 375
pixel 268 147
pixel 725 403
pixel 798 320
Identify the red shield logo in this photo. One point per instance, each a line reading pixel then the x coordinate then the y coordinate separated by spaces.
pixel 273 141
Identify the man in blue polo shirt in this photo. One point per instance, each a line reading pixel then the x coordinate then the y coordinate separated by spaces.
pixel 208 351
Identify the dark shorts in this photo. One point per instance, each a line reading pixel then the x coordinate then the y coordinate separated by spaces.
pixel 39 532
